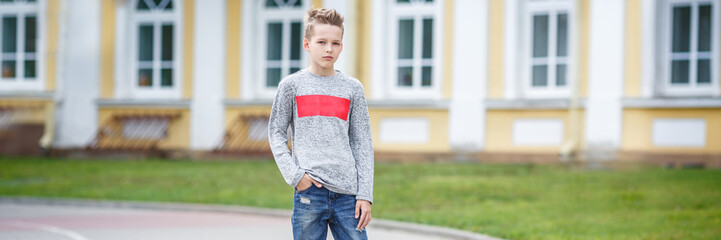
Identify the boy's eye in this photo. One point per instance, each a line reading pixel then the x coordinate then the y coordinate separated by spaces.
pixel 337 44
pixel 321 42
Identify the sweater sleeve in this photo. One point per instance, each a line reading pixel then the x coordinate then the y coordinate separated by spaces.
pixel 359 133
pixel 281 116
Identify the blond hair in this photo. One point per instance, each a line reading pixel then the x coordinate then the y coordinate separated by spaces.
pixel 322 16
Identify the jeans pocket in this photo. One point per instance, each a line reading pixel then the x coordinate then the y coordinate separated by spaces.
pixel 304 190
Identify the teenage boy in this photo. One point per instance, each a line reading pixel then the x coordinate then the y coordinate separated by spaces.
pixel 331 165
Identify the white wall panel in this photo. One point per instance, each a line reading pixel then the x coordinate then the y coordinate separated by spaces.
pixel 685 132
pixel 404 130
pixel 537 132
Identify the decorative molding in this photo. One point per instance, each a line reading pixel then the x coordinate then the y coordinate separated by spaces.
pixel 671 103
pixel 143 103
pixel 410 104
pixel 29 95
pixel 500 104
pixel 242 103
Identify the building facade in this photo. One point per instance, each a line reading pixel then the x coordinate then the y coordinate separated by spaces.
pixel 488 79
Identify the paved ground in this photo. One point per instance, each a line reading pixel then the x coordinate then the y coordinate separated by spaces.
pixel 50 221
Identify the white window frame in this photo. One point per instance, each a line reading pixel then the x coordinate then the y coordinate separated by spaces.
pixel 664 50
pixel 552 8
pixel 157 19
pixel 21 10
pixel 284 15
pixel 417 12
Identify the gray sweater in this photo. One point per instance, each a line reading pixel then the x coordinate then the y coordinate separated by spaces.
pixel 331 134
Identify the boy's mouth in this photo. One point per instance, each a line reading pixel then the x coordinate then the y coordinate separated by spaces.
pixel 328 57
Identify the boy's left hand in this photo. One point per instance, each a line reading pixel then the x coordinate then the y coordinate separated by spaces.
pixel 363 208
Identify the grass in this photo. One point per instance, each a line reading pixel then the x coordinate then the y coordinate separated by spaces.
pixel 508 201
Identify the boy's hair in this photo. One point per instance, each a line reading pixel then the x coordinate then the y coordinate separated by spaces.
pixel 322 16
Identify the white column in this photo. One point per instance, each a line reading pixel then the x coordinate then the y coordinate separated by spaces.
pixel 122 89
pixel 470 64
pixel 605 88
pixel 207 109
pixel 379 29
pixel 648 60
pixel 511 47
pixel 347 8
pixel 78 73
pixel 249 51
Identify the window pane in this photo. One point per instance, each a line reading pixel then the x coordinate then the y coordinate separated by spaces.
pixel 540 76
pixel 142 5
pixel 157 2
pixel 428 38
pixel 286 3
pixel 540 35
pixel 275 41
pixel 166 77
pixel 145 77
pixel 270 3
pixel 145 43
pixel 403 1
pixel 704 71
pixel 561 75
pixel 294 69
pixel 429 1
pixel 169 6
pixel 405 76
pixel 296 41
pixel 704 28
pixel 29 68
pixel 405 39
pixel 679 71
pixel 167 39
pixel 30 33
pixel 272 77
pixel 6 0
pixel 562 35
pixel 427 76
pixel 8 69
pixel 681 29
pixel 9 34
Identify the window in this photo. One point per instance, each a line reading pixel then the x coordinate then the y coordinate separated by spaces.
pixel 155 38
pixel 281 28
pixel 691 65
pixel 547 59
pixel 414 48
pixel 19 58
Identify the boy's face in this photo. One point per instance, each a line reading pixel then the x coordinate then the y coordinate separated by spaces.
pixel 324 45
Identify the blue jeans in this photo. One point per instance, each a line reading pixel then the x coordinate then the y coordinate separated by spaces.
pixel 314 209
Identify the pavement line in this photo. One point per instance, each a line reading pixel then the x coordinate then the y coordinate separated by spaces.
pixel 376 223
pixel 47 228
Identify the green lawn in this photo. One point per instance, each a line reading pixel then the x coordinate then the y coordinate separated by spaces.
pixel 508 201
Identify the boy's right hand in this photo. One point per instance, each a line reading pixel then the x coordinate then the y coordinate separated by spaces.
pixel 306 182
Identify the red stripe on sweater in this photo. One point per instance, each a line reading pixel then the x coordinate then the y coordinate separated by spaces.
pixel 322 105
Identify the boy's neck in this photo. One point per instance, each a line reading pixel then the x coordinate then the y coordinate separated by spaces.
pixel 323 72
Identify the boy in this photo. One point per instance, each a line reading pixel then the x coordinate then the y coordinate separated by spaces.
pixel 331 165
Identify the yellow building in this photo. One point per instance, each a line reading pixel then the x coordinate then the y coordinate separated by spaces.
pixel 495 80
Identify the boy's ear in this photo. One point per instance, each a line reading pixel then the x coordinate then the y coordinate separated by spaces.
pixel 305 45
